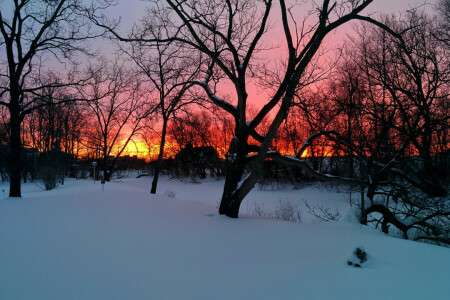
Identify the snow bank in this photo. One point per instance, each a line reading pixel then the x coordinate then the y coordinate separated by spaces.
pixel 77 242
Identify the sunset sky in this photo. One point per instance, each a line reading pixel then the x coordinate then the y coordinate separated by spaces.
pixel 131 11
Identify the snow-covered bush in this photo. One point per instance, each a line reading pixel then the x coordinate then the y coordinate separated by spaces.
pixel 358 258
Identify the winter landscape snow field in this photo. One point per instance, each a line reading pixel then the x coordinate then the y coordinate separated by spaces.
pixel 77 242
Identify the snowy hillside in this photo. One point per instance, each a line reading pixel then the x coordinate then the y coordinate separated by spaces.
pixel 77 242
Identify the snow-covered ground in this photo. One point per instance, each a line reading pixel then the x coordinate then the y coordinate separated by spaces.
pixel 267 200
pixel 77 242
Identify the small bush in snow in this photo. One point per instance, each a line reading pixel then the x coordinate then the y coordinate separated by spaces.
pixel 259 210
pixel 170 194
pixel 288 211
pixel 322 213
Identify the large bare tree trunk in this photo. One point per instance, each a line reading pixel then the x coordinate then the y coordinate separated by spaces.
pixel 231 202
pixel 15 146
pixel 235 166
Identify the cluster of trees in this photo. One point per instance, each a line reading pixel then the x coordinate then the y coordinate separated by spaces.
pixel 378 112
pixel 389 101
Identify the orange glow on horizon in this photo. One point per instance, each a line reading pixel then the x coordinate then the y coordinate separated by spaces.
pixel 140 149
pixel 319 151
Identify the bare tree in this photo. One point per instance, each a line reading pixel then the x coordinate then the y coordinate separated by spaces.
pixel 399 77
pixel 443 29
pixel 414 70
pixel 33 34
pixel 169 68
pixel 117 99
pixel 150 137
pixel 46 131
pixel 3 142
pixel 228 34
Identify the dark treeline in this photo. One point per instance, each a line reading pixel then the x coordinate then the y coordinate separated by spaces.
pixel 374 117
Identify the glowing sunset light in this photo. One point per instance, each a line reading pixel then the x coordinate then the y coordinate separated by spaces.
pixel 258 95
pixel 140 149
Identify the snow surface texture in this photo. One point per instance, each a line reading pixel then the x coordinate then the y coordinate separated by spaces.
pixel 77 242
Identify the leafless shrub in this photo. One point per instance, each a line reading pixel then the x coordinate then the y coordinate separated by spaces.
pixel 324 214
pixel 288 211
pixel 49 177
pixel 259 210
pixel 170 194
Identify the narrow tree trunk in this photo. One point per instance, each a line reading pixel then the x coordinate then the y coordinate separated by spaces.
pixel 106 172
pixel 363 219
pixel 350 138
pixel 15 146
pixel 160 158
pixel 105 157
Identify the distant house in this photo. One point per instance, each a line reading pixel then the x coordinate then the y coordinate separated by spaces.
pixel 198 161
pixel 128 162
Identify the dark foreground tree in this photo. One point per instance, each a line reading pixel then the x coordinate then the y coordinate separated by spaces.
pixel 229 35
pixel 33 36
